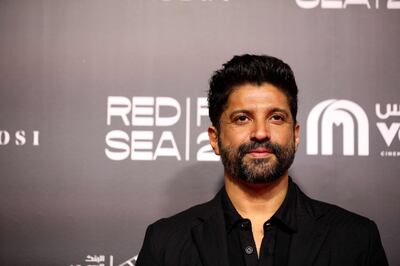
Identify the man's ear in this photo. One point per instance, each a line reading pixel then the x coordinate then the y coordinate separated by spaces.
pixel 297 134
pixel 213 136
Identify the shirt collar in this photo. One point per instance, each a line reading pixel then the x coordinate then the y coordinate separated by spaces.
pixel 232 217
pixel 285 215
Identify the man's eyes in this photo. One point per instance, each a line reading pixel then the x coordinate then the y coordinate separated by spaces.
pixel 277 117
pixel 241 118
pixel 245 118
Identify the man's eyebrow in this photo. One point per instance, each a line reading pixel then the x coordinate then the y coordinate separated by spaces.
pixel 276 109
pixel 239 111
pixel 248 111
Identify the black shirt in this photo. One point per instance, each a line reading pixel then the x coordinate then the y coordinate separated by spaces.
pixel 278 230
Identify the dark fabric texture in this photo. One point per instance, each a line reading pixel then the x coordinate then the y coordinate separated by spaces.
pixel 278 229
pixel 326 235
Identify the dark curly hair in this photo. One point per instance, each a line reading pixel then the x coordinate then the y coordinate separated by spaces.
pixel 250 69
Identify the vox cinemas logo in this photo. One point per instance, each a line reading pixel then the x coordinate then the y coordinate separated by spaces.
pixel 146 129
pixel 389 127
pixel 328 114
pixel 337 112
pixel 343 4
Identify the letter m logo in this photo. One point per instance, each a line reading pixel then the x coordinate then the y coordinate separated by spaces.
pixel 327 114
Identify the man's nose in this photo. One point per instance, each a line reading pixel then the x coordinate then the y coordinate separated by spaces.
pixel 260 131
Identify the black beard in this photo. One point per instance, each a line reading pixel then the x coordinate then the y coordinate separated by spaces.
pixel 257 170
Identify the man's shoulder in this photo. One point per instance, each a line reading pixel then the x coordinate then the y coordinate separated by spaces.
pixel 189 214
pixel 349 235
pixel 182 222
pixel 335 216
pixel 346 230
pixel 330 214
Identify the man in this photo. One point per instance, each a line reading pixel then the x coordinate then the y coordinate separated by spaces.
pixel 260 217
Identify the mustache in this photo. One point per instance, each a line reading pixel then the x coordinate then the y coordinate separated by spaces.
pixel 270 146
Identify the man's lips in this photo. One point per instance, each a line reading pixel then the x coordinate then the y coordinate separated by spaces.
pixel 260 152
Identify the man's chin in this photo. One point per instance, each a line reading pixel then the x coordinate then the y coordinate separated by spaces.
pixel 260 174
pixel 260 165
pixel 260 180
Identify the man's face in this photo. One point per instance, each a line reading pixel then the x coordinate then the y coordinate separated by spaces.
pixel 257 138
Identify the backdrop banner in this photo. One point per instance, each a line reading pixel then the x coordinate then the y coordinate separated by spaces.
pixel 103 115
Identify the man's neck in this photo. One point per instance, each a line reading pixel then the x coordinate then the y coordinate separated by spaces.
pixel 256 201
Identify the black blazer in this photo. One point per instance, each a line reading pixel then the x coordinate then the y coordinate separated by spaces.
pixel 327 235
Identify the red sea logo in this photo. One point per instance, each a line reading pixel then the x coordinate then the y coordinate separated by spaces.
pixel 327 114
pixel 134 122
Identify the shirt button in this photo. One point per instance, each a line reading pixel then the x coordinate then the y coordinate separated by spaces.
pixel 249 250
pixel 244 225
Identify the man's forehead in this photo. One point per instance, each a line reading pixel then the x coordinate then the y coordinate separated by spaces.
pixel 250 96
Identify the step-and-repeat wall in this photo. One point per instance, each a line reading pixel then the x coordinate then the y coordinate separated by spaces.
pixel 103 115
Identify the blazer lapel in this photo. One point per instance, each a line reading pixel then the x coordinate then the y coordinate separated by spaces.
pixel 210 238
pixel 306 242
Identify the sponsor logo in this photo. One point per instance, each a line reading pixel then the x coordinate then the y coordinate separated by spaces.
pixel 19 138
pixel 349 118
pixel 102 260
pixel 332 113
pixel 388 127
pixel 343 4
pixel 154 124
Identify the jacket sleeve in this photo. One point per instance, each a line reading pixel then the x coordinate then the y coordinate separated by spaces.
pixel 376 254
pixel 147 255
